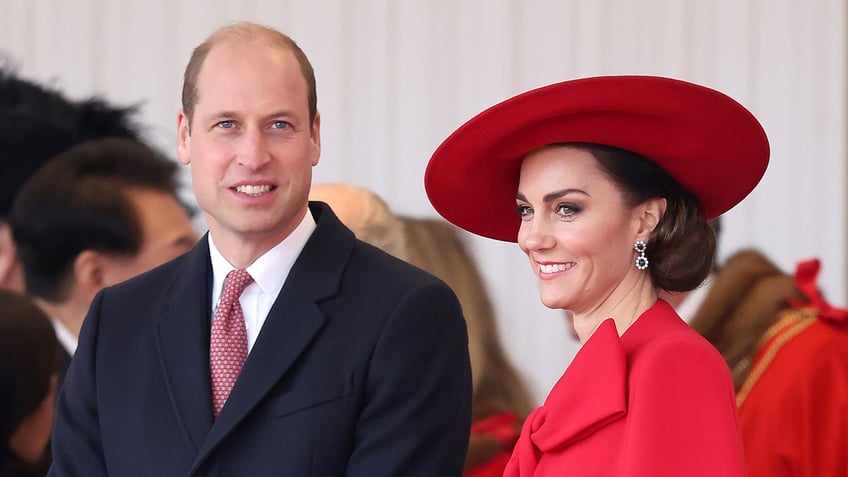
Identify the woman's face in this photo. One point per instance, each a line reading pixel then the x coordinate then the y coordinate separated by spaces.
pixel 576 229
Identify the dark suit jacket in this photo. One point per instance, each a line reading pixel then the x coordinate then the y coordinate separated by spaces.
pixel 361 369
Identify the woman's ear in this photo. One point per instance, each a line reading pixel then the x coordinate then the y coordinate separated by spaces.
pixel 648 217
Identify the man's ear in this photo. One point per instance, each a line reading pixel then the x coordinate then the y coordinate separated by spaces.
pixel 315 134
pixel 183 137
pixel 90 271
pixel 649 214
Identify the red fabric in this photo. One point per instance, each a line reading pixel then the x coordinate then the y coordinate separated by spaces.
pixel 228 346
pixel 658 401
pixel 714 147
pixel 805 280
pixel 504 428
pixel 795 420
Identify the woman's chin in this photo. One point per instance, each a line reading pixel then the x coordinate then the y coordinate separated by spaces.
pixel 554 303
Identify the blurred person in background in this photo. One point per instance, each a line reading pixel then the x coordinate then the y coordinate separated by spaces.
pixel 36 123
pixel 29 356
pixel 787 349
pixel 95 215
pixel 500 400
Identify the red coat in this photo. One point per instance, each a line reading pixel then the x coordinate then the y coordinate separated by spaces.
pixel 658 401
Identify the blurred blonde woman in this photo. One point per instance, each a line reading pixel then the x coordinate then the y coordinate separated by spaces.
pixel 500 399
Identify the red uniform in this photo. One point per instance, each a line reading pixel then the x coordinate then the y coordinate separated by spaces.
pixel 504 428
pixel 793 406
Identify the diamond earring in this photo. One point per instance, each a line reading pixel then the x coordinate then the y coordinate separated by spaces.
pixel 641 260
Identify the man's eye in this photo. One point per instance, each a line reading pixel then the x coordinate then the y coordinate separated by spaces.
pixel 226 124
pixel 280 124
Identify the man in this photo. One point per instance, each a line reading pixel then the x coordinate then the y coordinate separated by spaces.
pixel 95 215
pixel 36 123
pixel 356 363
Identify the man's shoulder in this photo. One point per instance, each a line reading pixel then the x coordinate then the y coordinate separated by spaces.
pixel 151 282
pixel 370 260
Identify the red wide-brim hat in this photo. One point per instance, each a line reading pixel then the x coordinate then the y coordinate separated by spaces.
pixel 707 141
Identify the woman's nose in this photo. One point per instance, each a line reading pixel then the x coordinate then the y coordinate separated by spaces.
pixel 535 234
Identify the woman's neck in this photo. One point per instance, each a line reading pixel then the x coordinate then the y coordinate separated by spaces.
pixel 624 305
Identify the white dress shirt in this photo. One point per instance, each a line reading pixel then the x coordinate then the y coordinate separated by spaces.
pixel 269 273
pixel 65 337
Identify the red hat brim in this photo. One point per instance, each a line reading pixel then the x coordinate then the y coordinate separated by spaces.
pixel 707 141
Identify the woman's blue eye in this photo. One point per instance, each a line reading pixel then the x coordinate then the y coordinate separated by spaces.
pixel 567 210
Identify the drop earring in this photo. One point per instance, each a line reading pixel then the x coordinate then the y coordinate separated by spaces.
pixel 641 260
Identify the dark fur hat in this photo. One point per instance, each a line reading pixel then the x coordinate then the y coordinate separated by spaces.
pixel 38 122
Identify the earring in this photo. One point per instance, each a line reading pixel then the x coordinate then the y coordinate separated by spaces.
pixel 641 260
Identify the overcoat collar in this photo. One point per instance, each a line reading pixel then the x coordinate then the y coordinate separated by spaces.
pixel 183 332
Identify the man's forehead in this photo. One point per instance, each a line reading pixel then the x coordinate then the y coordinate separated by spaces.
pixel 228 50
pixel 240 62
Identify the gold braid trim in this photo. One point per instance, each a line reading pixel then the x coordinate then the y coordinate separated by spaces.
pixel 789 324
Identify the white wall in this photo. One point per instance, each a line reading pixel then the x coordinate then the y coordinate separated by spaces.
pixel 397 76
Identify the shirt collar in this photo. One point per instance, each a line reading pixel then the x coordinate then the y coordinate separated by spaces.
pixel 65 337
pixel 271 269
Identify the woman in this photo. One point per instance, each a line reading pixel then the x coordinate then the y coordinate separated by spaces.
pixel 613 179
pixel 29 356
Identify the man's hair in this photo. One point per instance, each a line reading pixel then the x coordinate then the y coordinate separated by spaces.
pixel 78 201
pixel 245 31
pixel 38 122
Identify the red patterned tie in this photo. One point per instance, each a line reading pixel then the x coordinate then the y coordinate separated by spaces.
pixel 228 347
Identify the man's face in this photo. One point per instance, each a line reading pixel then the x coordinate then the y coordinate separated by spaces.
pixel 250 144
pixel 166 233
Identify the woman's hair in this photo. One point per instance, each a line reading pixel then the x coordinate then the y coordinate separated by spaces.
pixel 681 249
pixel 437 247
pixel 365 213
pixel 29 357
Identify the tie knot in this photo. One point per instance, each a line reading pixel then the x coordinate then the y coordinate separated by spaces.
pixel 236 281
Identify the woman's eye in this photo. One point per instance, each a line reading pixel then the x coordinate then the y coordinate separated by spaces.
pixel 524 211
pixel 567 210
